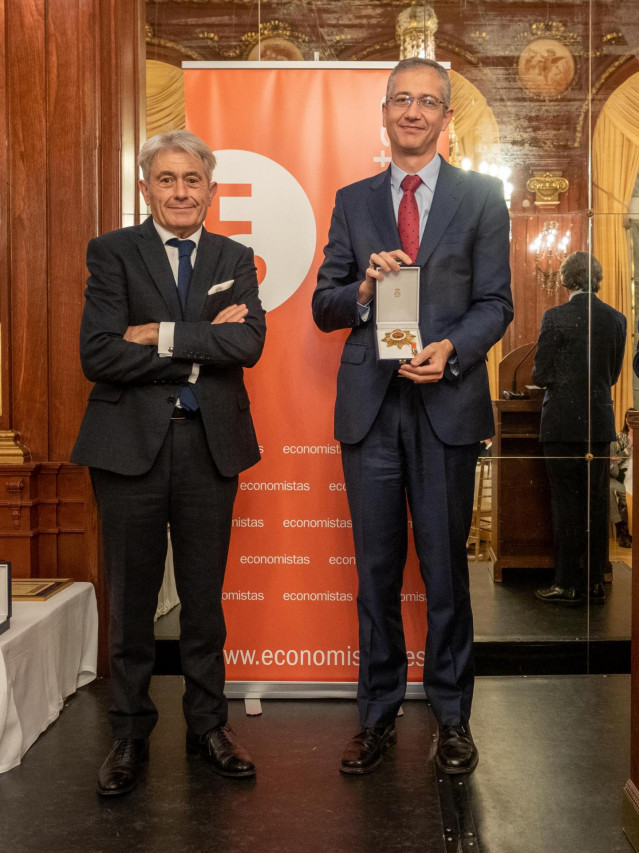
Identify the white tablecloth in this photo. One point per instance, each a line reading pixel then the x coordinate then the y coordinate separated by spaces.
pixel 49 651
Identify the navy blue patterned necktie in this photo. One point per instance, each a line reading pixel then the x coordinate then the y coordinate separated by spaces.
pixel 185 250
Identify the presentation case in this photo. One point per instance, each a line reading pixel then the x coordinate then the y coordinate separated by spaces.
pixel 397 315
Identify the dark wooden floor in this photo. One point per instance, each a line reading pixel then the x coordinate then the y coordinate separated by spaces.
pixel 554 759
pixel 554 756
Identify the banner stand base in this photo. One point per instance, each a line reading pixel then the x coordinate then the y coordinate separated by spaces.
pixel 252 692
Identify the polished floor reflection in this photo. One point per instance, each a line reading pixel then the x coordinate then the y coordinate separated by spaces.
pixel 554 760
pixel 514 633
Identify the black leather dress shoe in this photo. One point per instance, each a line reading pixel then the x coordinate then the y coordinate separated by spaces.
pixel 365 751
pixel 221 749
pixel 597 594
pixel 456 750
pixel 121 768
pixel 566 596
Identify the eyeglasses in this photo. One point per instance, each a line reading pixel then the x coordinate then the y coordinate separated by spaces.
pixel 427 102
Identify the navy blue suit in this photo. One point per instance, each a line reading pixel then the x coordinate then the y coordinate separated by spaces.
pixel 405 441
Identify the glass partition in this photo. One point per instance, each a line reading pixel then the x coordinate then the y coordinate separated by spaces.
pixel 546 96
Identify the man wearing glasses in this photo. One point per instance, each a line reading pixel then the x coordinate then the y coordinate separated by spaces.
pixel 412 434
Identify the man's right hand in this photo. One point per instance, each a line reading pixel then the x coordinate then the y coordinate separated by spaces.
pixel 146 334
pixel 387 262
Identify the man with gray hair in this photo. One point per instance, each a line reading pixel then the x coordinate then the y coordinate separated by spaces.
pixel 172 316
pixel 578 360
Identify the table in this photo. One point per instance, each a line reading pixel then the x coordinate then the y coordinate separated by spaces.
pixel 49 651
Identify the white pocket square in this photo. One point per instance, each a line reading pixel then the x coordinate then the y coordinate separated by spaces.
pixel 223 286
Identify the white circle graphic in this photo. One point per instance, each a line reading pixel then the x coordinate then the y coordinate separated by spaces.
pixel 283 231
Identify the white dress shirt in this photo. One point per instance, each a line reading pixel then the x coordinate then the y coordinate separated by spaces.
pixel 167 329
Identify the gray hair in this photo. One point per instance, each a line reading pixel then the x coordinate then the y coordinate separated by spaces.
pixel 581 271
pixel 176 140
pixel 416 63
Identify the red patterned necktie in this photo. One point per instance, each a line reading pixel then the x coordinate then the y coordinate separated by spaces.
pixel 408 217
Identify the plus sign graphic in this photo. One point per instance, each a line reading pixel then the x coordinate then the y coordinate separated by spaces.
pixel 383 159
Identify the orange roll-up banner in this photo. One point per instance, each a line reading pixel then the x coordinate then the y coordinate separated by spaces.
pixel 286 139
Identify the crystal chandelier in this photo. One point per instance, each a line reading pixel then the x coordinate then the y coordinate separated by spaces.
pixel 415 31
pixel 550 250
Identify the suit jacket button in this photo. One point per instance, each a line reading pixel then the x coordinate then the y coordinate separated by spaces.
pixel 171 400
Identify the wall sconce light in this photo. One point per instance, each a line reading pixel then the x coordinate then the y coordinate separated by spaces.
pixel 550 250
pixel 497 170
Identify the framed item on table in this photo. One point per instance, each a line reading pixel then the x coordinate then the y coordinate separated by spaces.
pixel 5 596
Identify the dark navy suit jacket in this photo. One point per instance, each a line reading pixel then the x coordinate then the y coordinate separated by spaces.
pixel 130 406
pixel 464 296
pixel 573 364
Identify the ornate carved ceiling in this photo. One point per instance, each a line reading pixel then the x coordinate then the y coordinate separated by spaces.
pixel 541 65
pixel 470 32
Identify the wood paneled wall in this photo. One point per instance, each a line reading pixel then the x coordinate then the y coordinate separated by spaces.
pixel 71 99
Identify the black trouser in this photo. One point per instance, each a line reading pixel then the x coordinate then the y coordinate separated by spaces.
pixel 581 541
pixel 183 489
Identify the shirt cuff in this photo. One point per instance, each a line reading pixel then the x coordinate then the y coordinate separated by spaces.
pixel 453 363
pixel 165 339
pixel 364 311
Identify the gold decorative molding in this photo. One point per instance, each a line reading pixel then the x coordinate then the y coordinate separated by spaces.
pixel 470 58
pixel 391 44
pixel 283 41
pixel 372 49
pixel 230 52
pixel 211 37
pixel 614 38
pixel 554 30
pixel 12 452
pixel 172 45
pixel 547 185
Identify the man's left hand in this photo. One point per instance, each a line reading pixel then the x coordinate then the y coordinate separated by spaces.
pixel 429 364
pixel 231 314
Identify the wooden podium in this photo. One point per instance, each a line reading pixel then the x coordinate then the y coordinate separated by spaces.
pixel 522 534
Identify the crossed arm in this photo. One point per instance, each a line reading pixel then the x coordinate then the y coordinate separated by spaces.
pixel 147 333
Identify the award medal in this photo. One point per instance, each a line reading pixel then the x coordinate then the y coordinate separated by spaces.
pixel 399 338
